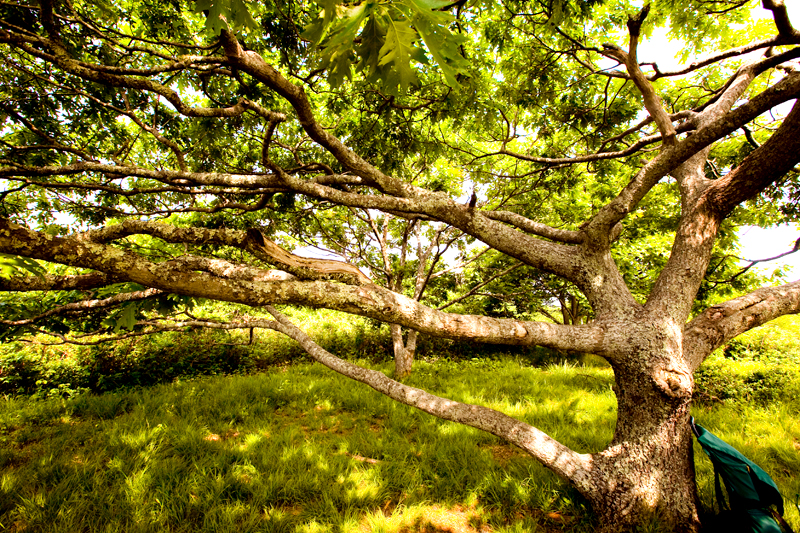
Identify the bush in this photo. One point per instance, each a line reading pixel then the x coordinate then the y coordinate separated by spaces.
pixel 135 362
pixel 47 372
pixel 749 370
pixel 760 366
pixel 67 370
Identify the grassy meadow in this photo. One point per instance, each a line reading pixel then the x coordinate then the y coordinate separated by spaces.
pixel 256 438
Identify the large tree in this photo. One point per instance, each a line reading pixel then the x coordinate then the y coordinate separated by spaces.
pixel 156 150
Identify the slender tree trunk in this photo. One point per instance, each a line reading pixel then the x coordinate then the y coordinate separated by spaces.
pixel 403 351
pixel 411 346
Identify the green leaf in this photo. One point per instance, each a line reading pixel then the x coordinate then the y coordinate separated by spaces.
pixel 388 41
pixel 241 16
pixel 226 14
pixel 427 5
pixel 316 31
pixel 397 51
pixel 373 37
pixel 338 46
pixel 345 30
pixel 118 288
pixel 202 5
pixel 444 46
pixel 557 13
pixel 127 318
pixel 216 20
pixel 12 265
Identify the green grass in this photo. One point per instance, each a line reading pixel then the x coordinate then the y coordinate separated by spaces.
pixel 300 449
pixel 28 368
pixel 294 450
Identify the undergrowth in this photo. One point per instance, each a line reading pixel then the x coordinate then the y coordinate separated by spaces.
pixel 761 366
pixel 172 445
pixel 43 370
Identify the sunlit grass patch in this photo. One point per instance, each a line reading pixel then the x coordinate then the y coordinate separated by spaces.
pixel 237 453
pixel 428 518
pixel 302 449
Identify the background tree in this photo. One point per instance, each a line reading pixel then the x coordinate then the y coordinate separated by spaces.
pixel 405 256
pixel 150 151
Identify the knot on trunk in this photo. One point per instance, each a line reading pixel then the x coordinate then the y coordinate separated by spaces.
pixel 674 383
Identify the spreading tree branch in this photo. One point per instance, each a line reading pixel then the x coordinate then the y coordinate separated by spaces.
pixel 551 453
pixel 179 277
pixel 722 322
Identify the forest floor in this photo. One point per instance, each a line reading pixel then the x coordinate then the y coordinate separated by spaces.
pixel 300 449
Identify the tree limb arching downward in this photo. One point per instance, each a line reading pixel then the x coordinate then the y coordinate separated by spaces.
pixel 550 452
pixel 168 154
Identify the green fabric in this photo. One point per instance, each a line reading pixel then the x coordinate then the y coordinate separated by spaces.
pixel 759 521
pixel 749 487
pixel 743 521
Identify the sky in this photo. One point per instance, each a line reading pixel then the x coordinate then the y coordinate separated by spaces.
pixel 760 243
pixel 755 243
pixel 663 51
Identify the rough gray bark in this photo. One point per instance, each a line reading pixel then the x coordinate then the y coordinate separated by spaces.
pixel 404 350
pixel 653 347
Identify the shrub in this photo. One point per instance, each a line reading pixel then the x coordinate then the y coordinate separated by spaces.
pixel 761 366
pixel 749 375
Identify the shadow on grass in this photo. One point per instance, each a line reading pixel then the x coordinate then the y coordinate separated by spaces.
pixel 294 450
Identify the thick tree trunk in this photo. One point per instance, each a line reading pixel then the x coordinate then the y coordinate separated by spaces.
pixel 647 471
pixel 648 476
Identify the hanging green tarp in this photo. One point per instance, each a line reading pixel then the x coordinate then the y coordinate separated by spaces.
pixel 751 491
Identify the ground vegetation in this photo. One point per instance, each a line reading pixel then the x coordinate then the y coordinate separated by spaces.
pixel 154 154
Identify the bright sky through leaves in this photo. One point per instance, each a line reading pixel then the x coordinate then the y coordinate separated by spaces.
pixel 758 243
pixel 755 242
